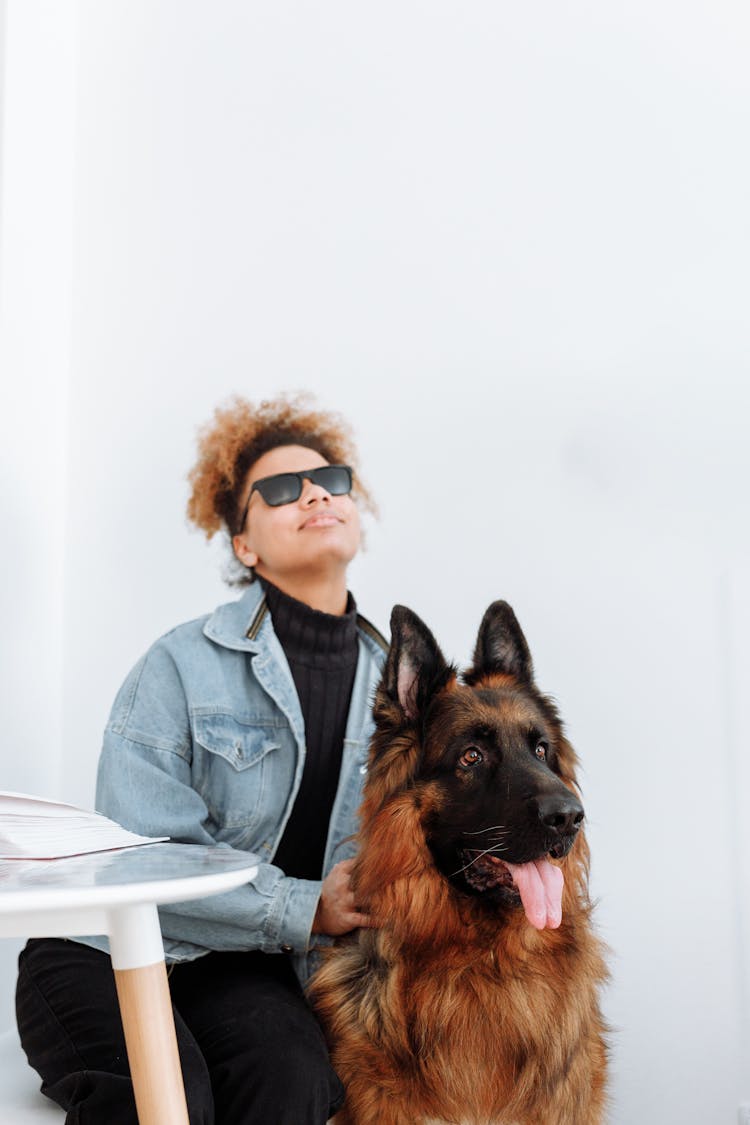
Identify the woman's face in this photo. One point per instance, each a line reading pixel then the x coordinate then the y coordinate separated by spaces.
pixel 315 536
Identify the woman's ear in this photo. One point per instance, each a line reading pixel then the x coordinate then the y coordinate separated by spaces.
pixel 243 552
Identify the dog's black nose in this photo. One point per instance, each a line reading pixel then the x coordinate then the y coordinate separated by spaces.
pixel 561 814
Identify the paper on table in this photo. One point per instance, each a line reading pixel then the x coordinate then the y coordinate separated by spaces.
pixel 38 828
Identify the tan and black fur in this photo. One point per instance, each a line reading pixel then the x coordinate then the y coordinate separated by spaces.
pixel 454 1008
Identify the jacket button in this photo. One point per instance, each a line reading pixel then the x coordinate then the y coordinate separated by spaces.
pixel 286 949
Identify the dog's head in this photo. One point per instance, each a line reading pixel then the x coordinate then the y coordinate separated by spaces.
pixel 485 758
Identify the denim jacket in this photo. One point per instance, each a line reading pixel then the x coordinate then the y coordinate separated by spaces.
pixel 206 744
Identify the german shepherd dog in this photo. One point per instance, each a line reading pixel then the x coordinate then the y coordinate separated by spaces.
pixel 473 999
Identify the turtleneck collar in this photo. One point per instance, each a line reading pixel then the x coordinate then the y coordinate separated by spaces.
pixel 309 636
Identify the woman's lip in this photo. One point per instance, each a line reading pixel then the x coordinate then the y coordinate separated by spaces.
pixel 323 520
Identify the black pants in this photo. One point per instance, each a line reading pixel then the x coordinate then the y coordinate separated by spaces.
pixel 251 1050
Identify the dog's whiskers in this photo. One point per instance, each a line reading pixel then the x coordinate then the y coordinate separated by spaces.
pixel 496 848
pixel 492 828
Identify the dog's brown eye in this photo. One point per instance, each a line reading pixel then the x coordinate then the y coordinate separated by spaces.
pixel 471 757
pixel 541 751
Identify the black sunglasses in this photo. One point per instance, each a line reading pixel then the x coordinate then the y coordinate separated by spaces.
pixel 285 488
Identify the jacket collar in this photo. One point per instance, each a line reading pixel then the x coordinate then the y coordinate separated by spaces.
pixel 243 625
pixel 238 625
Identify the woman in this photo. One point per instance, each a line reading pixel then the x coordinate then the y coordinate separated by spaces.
pixel 248 728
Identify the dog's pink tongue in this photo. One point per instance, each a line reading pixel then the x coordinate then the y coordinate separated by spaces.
pixel 540 885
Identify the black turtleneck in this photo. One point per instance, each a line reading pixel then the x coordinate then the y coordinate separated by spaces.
pixel 321 650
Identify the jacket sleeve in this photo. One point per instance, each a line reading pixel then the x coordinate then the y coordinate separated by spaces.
pixel 144 783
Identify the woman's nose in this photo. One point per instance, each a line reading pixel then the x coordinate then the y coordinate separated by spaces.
pixel 312 491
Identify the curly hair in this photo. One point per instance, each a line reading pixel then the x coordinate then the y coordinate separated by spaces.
pixel 238 435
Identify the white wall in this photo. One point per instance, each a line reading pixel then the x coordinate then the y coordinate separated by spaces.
pixel 37 111
pixel 510 243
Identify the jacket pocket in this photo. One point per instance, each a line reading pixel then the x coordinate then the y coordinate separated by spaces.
pixel 241 744
pixel 234 764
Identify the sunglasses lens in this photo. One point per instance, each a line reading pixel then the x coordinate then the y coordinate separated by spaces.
pixel 336 479
pixel 283 488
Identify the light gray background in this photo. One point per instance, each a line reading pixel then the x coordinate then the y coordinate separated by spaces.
pixel 510 242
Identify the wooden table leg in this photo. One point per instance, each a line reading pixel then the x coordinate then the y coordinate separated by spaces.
pixel 152 1045
pixel 146 1009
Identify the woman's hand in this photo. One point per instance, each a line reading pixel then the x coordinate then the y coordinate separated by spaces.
pixel 337 913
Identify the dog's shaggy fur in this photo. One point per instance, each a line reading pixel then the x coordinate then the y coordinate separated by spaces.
pixel 454 1007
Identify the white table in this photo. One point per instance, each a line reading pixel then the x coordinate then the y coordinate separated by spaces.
pixel 117 893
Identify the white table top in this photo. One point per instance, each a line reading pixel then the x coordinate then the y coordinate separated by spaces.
pixel 157 873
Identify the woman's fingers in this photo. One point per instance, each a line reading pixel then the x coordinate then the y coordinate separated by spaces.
pixel 337 911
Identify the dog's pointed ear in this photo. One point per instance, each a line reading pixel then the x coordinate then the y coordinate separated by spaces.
pixel 501 647
pixel 416 667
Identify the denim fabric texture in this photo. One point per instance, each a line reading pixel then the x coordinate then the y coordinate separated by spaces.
pixel 206 744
